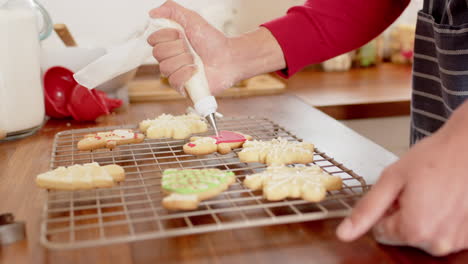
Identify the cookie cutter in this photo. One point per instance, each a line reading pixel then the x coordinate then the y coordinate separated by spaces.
pixel 11 231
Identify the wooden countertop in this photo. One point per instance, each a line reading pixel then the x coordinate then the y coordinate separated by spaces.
pixel 379 91
pixel 310 242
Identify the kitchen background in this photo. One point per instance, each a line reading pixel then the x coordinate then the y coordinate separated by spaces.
pixel 106 23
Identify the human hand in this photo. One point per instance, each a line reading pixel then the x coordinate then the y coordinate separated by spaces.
pixel 226 60
pixel 175 60
pixel 420 200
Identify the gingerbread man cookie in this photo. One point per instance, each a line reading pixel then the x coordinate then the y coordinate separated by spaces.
pixel 277 151
pixel 110 139
pixel 224 143
pixel 280 182
pixel 187 188
pixel 176 127
pixel 78 177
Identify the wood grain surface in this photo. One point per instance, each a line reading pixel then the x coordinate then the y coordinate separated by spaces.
pixel 379 91
pixel 311 242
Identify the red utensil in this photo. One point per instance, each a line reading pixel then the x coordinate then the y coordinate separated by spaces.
pixel 110 103
pixel 84 105
pixel 58 86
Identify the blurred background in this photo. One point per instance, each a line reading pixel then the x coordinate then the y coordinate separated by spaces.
pixel 107 22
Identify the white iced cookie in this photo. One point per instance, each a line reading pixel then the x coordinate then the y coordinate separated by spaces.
pixel 110 139
pixel 277 152
pixel 280 182
pixel 176 127
pixel 78 177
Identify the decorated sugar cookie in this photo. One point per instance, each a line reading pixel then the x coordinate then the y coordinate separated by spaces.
pixel 78 177
pixel 224 143
pixel 109 139
pixel 277 152
pixel 187 188
pixel 280 182
pixel 176 127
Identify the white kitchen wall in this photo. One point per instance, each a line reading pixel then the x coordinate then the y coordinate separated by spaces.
pixel 103 23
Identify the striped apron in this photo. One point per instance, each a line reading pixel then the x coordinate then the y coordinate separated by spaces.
pixel 440 70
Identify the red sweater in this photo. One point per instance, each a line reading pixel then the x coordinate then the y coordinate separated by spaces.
pixel 322 29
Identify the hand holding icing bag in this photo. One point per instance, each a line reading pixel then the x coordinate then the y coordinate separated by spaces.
pixel 134 52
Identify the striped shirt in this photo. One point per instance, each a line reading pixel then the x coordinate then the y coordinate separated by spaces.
pixel 440 71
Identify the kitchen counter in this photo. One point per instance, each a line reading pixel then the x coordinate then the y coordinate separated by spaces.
pixel 310 242
pixel 384 90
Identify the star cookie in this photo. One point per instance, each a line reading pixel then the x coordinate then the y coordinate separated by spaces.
pixel 224 143
pixel 176 127
pixel 78 177
pixel 187 188
pixel 109 139
pixel 277 152
pixel 280 182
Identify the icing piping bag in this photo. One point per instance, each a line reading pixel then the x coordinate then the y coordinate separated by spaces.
pixel 134 52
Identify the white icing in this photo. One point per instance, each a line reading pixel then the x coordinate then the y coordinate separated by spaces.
pixel 181 197
pixel 168 124
pixel 275 146
pixel 77 174
pixel 127 134
pixel 278 150
pixel 292 180
pixel 118 134
pixel 204 140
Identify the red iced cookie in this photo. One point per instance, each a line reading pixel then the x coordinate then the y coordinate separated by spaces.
pixel 229 137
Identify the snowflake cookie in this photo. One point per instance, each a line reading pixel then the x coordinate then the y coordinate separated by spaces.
pixel 176 127
pixel 187 188
pixel 277 152
pixel 310 183
pixel 224 143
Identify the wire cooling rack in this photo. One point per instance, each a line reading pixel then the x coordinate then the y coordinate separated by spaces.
pixel 132 210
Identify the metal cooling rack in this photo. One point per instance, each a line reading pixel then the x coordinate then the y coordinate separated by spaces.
pixel 132 210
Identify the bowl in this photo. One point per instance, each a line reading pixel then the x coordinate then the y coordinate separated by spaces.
pixel 86 105
pixel 58 86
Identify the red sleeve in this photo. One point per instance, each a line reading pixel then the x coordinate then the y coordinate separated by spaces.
pixel 322 29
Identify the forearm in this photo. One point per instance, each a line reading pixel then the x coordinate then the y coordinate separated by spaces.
pixel 255 53
pixel 322 29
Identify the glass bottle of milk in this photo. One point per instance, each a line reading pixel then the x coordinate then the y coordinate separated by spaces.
pixel 21 95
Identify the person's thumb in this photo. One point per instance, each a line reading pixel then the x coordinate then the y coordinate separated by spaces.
pixel 171 10
pixel 372 206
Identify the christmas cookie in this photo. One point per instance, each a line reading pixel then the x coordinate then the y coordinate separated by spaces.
pixel 176 127
pixel 187 188
pixel 280 182
pixel 277 151
pixel 78 177
pixel 224 143
pixel 110 139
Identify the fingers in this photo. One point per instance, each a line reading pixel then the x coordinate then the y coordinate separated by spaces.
pixel 164 35
pixel 175 59
pixel 181 76
pixel 166 50
pixel 171 65
pixel 172 10
pixel 164 11
pixel 372 206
